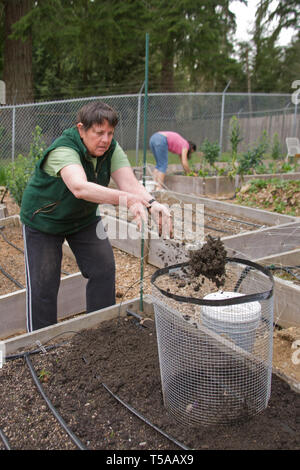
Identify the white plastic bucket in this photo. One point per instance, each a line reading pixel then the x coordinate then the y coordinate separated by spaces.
pixel 150 185
pixel 237 322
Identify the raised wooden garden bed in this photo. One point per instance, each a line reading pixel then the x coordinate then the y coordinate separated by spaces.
pixel 110 348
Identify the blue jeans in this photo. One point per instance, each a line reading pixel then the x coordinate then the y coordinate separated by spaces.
pixel 159 147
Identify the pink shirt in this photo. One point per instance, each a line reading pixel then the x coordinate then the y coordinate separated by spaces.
pixel 176 143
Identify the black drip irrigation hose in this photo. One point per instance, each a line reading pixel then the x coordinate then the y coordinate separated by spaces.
pixel 136 413
pixel 74 438
pixel 232 219
pixel 6 274
pixel 9 242
pixel 287 269
pixel 5 440
pixel 41 347
pixel 138 320
pixel 25 356
pixel 229 219
pixel 9 276
pixel 59 418
pixel 217 229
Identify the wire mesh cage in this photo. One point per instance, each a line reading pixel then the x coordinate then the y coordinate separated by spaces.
pixel 215 350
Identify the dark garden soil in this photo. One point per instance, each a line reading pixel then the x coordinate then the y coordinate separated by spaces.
pixel 124 357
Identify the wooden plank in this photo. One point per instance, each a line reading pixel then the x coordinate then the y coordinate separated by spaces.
pixel 265 242
pixel 71 301
pixel 3 211
pixel 67 327
pixel 286 303
pixel 11 220
pixel 286 293
pixel 217 185
pixel 259 216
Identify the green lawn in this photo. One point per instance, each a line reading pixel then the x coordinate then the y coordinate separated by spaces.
pixel 2 176
pixel 173 159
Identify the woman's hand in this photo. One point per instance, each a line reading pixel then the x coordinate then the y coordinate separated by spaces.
pixel 139 212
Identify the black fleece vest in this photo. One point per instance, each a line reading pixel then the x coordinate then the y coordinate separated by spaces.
pixel 48 205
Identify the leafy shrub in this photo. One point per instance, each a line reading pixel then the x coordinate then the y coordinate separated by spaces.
pixel 235 137
pixel 2 175
pixel 18 173
pixel 276 152
pixel 211 152
pixel 253 158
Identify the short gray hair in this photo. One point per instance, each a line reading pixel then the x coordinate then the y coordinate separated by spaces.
pixel 96 113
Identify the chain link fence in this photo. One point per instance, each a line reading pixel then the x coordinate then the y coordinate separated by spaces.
pixel 197 116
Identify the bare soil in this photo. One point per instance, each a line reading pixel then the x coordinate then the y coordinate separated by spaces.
pixel 123 355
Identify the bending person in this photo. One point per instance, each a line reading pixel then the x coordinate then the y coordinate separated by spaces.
pixel 163 142
pixel 61 202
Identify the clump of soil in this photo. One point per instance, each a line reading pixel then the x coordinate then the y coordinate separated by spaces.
pixel 209 261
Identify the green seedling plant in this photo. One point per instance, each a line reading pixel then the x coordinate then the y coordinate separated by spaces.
pixel 211 151
pixel 192 172
pixel 276 152
pixel 18 172
pixel 287 167
pixel 203 173
pixel 235 140
pixel 252 160
pixel 44 375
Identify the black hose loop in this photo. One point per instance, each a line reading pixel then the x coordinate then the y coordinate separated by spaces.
pixel 218 303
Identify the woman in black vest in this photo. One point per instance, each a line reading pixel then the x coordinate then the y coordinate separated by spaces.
pixel 61 202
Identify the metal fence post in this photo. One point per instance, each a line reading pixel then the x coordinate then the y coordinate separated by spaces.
pixel 295 120
pixel 138 125
pixel 222 117
pixel 13 133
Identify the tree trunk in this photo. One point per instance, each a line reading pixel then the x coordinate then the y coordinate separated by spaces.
pixel 17 71
pixel 248 81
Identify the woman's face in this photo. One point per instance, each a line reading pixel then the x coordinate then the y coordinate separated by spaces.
pixel 97 138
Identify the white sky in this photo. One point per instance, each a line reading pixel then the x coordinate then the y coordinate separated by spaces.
pixel 245 17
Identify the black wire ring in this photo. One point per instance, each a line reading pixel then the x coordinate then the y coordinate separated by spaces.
pixel 218 303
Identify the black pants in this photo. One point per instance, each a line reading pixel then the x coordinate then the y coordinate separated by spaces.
pixel 43 256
